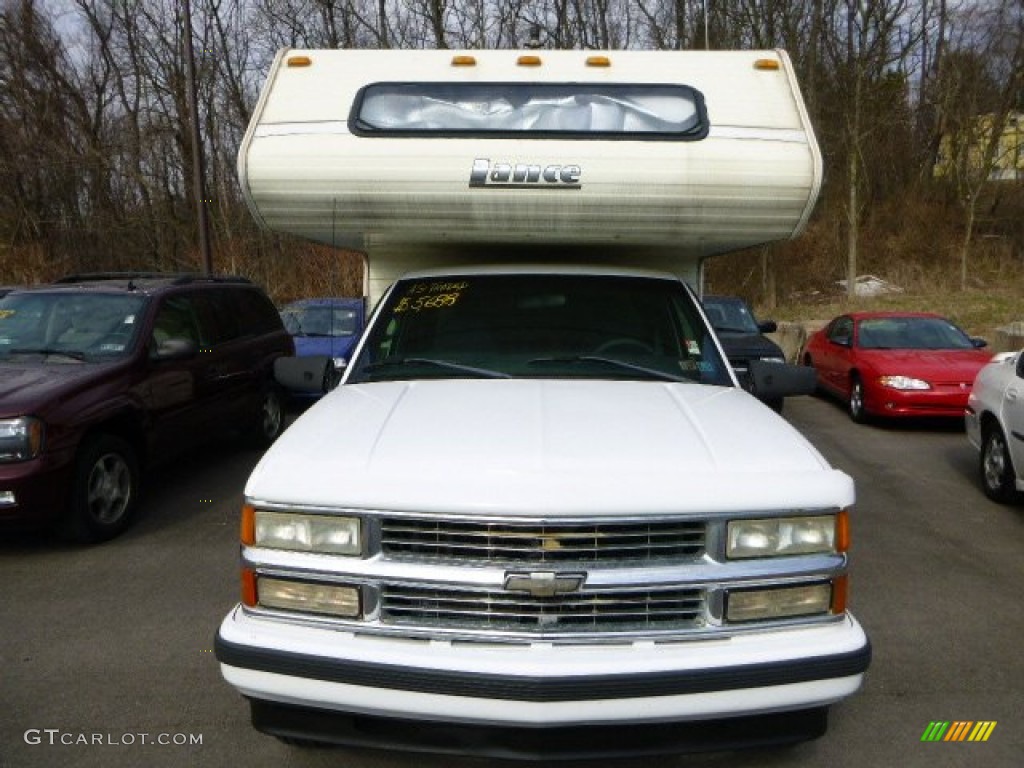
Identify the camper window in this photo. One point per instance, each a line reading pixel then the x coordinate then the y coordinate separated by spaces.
pixel 582 110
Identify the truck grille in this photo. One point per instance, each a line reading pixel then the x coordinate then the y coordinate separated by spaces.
pixel 623 610
pixel 505 542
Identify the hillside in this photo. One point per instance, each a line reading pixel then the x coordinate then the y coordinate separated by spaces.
pixel 913 246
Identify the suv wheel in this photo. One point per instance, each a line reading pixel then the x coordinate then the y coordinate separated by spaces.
pixel 105 490
pixel 997 475
pixel 270 418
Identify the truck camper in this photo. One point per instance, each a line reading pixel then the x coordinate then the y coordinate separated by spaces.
pixel 539 517
pixel 642 158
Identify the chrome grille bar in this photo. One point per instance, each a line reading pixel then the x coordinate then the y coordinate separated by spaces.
pixel 540 542
pixel 576 612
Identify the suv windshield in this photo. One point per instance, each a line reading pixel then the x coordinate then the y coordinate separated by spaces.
pixel 539 326
pixel 730 315
pixel 81 326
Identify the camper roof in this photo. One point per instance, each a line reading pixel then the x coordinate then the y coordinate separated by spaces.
pixel 694 152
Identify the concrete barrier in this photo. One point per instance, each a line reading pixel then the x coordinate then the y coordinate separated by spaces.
pixel 792 337
pixel 1009 338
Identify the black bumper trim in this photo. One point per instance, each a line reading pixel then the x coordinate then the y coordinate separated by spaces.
pixel 301 726
pixel 542 689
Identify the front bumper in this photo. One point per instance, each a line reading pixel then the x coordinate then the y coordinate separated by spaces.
pixel 972 426
pixel 945 402
pixel 586 742
pixel 542 684
pixel 38 490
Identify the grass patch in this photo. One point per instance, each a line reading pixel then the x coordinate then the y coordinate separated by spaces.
pixel 979 311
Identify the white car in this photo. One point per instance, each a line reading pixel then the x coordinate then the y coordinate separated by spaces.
pixel 995 425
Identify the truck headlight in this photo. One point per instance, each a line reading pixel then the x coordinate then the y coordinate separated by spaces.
pixel 323 534
pixel 307 597
pixel 903 383
pixel 21 439
pixel 782 536
pixel 778 602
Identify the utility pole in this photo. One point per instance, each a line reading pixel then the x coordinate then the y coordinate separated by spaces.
pixel 198 174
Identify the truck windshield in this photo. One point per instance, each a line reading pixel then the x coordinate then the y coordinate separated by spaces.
pixel 539 326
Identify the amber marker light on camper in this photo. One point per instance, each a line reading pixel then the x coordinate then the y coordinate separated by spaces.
pixel 598 61
pixel 463 61
pixel 528 61
pixel 767 64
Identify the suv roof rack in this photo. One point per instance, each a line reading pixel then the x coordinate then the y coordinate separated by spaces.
pixel 173 278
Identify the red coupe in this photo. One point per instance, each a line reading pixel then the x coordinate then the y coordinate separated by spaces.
pixel 896 363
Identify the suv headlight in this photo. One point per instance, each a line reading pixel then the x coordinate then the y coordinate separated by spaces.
pixel 323 534
pixel 783 536
pixel 21 439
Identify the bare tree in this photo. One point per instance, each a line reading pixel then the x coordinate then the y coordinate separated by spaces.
pixel 48 131
pixel 981 87
pixel 865 42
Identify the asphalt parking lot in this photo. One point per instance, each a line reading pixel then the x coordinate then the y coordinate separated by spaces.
pixel 106 652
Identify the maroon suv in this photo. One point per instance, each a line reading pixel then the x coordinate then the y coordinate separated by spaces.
pixel 101 375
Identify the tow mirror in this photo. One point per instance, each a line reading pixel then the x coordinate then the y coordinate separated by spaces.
pixel 774 380
pixel 304 374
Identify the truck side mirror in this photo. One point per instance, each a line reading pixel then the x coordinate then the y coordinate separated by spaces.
pixel 304 374
pixel 774 380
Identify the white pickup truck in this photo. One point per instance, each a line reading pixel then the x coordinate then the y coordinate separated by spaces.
pixel 539 517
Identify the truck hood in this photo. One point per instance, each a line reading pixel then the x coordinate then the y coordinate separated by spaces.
pixel 545 447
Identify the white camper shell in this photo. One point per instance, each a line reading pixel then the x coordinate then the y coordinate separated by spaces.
pixel 640 158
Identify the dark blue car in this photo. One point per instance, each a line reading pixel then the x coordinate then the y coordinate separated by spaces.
pixel 327 326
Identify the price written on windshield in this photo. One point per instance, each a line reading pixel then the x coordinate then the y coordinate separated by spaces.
pixel 423 296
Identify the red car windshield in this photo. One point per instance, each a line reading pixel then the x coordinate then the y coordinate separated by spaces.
pixel 911 333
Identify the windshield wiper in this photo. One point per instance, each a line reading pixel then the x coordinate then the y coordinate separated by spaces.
pixel 446 364
pixel 573 359
pixel 72 353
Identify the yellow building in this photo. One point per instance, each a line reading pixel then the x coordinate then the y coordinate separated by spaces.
pixel 964 151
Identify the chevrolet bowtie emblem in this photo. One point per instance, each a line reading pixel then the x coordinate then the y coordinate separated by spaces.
pixel 544 583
